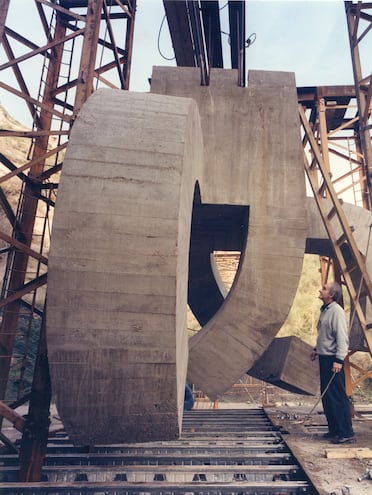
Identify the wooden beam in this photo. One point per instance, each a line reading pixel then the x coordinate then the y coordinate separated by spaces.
pixel 8 413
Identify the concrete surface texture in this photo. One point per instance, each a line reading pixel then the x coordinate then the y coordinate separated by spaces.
pixel 253 156
pixel 117 282
pixel 137 168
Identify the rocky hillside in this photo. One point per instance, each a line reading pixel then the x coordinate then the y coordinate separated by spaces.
pixel 15 150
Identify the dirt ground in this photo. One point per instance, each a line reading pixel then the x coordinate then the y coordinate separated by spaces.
pixel 302 424
pixel 303 432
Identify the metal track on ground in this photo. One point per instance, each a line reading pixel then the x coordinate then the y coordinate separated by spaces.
pixel 221 452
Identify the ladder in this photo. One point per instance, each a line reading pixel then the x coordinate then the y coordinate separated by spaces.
pixel 335 222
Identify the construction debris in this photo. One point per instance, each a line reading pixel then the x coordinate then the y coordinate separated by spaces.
pixel 345 490
pixel 366 476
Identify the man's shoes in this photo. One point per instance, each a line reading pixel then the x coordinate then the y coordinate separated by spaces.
pixel 329 435
pixel 343 440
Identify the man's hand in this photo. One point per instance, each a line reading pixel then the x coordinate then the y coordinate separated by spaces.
pixel 337 367
pixel 313 355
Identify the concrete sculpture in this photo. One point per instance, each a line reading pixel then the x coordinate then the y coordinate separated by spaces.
pixel 117 285
pixel 151 185
pixel 253 157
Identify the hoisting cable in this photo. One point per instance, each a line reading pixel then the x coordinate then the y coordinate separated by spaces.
pixel 159 49
pixel 104 41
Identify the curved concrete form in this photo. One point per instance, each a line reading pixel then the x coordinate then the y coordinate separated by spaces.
pixel 118 267
pixel 282 364
pixel 254 158
pixel 213 228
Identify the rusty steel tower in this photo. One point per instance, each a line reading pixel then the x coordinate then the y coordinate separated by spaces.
pixel 87 44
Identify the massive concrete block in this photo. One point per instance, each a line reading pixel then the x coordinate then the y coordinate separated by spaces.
pixel 286 364
pixel 118 267
pixel 254 157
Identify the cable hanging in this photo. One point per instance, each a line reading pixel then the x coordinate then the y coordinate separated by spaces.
pixel 159 34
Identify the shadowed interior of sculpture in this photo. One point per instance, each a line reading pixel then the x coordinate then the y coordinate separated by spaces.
pixel 214 227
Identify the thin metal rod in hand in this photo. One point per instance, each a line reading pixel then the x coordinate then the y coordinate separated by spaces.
pixel 323 394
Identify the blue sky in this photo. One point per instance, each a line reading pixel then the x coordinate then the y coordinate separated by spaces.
pixel 308 38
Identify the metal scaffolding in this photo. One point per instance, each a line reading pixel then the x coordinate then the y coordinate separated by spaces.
pixel 80 53
pixel 359 23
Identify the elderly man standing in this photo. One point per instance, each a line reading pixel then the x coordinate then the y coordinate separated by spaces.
pixel 331 348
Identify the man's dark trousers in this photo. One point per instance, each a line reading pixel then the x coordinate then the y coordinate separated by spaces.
pixel 336 404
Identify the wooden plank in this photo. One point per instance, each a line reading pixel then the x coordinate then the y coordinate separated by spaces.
pixel 349 453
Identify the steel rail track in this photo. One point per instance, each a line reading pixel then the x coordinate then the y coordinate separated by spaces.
pixel 220 452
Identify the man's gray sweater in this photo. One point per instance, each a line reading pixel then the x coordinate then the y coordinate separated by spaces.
pixel 333 338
